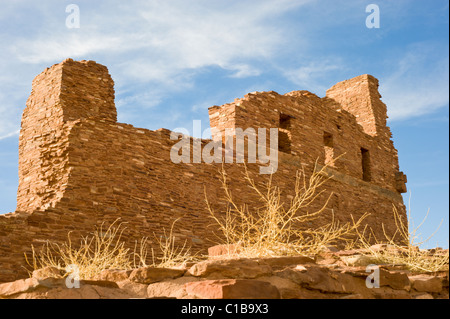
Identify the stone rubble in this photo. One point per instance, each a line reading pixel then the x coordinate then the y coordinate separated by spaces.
pixel 296 277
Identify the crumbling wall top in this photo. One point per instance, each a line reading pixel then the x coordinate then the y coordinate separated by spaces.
pixel 360 97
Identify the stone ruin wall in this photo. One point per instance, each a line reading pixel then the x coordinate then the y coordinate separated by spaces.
pixel 79 168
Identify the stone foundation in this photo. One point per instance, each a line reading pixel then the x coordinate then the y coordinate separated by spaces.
pixel 330 275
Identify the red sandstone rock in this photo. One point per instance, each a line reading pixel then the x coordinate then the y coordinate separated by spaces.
pixel 350 252
pixel 300 268
pixel 232 289
pixel 115 275
pixel 324 280
pixel 18 286
pixel 283 261
pixel 389 293
pixel 425 283
pixel 84 292
pixel 394 279
pixel 47 272
pixel 170 288
pixel 133 288
pixel 148 275
pixel 291 281
pixel 230 268
pixel 358 260
pixel 220 250
pixel 100 283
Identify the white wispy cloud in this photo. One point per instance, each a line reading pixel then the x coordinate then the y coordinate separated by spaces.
pixel 428 184
pixel 12 101
pixel 313 75
pixel 48 49
pixel 418 83
pixel 158 44
pixel 15 133
pixel 157 48
pixel 167 37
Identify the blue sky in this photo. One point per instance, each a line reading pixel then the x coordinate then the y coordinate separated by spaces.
pixel 172 59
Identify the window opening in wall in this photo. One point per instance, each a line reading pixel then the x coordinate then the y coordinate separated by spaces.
pixel 284 133
pixel 328 139
pixel 285 121
pixel 328 148
pixel 366 174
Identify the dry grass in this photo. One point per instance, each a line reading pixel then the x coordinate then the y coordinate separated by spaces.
pixel 104 249
pixel 408 253
pixel 275 230
pixel 172 255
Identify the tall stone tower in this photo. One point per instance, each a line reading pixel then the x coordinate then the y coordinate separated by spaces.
pixel 67 92
pixel 360 97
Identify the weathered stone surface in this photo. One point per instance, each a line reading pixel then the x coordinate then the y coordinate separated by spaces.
pixel 280 262
pixel 232 289
pixel 325 261
pixel 133 288
pixel 389 293
pixel 231 268
pixel 358 260
pixel 148 275
pixel 215 280
pixel 301 268
pixel 52 286
pixel 100 283
pixel 351 252
pixel 329 249
pixel 18 286
pixel 378 247
pixel 324 280
pixel 47 272
pixel 220 250
pixel 171 288
pixel 84 292
pixel 115 275
pixel 79 167
pixel 394 279
pixel 426 283
pixel 287 289
pixel 51 282
pixel 389 247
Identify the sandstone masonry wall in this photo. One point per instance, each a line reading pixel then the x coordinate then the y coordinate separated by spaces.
pixel 79 168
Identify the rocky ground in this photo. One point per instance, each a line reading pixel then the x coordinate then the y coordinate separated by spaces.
pixel 334 275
